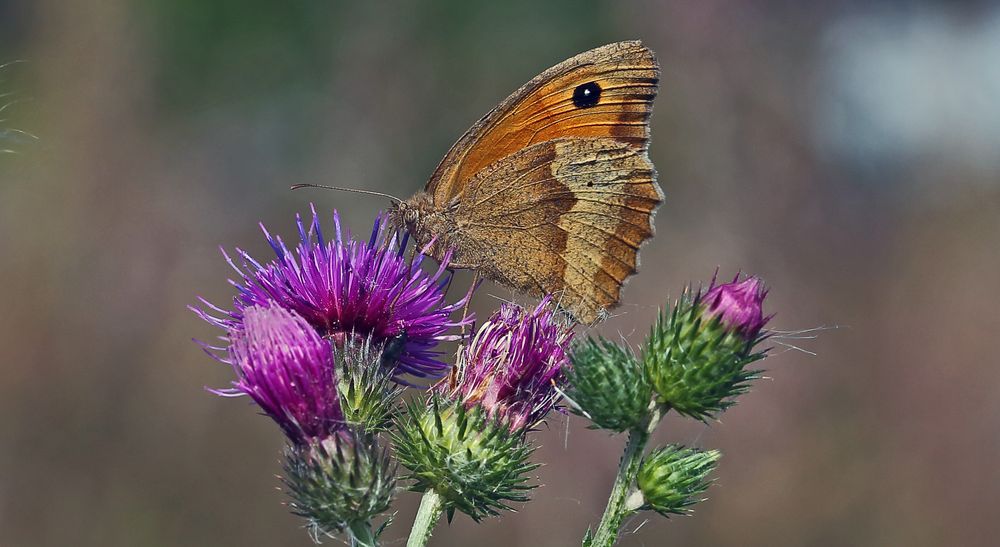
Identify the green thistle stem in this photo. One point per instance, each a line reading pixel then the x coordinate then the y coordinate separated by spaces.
pixel 617 509
pixel 430 509
pixel 362 535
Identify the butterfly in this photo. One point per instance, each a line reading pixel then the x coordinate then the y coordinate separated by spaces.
pixel 552 191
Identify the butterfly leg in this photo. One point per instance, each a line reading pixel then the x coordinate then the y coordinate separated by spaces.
pixel 451 277
pixel 465 310
pixel 453 376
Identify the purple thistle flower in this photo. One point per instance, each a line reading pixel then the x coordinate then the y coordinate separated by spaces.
pixel 288 370
pixel 348 288
pixel 738 304
pixel 511 365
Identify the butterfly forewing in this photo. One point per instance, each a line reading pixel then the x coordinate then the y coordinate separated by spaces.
pixel 605 92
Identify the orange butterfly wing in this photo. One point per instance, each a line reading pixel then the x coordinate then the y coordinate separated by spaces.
pixel 605 92
pixel 564 217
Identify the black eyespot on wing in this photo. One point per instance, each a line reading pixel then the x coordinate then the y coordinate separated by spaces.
pixel 587 94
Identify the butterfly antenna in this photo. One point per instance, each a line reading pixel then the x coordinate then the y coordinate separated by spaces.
pixel 356 190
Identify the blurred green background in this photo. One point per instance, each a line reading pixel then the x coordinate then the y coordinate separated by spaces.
pixel 847 152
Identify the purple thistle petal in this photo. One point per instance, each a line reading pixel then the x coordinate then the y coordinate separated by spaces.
pixel 288 370
pixel 346 287
pixel 738 304
pixel 511 366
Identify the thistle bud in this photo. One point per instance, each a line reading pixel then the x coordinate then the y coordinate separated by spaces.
pixel 471 460
pixel 608 385
pixel 339 483
pixel 696 355
pixel 671 477
pixel 368 393
pixel 469 444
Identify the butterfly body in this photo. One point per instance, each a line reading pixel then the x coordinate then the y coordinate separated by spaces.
pixel 552 192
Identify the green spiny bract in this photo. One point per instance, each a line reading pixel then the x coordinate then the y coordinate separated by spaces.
pixel 671 477
pixel 474 462
pixel 368 394
pixel 695 363
pixel 338 481
pixel 608 384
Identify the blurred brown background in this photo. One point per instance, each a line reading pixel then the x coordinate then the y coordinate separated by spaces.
pixel 848 154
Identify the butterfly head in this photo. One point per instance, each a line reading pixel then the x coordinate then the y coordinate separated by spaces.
pixel 418 216
pixel 407 214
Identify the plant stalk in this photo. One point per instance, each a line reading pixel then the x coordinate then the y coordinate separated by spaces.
pixel 362 535
pixel 628 469
pixel 431 506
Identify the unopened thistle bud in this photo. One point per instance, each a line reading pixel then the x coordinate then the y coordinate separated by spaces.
pixel 368 393
pixel 608 385
pixel 338 482
pixel 696 355
pixel 671 478
pixel 474 462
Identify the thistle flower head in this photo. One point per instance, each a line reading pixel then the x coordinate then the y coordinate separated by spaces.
pixel 512 364
pixel 288 370
pixel 350 289
pixel 738 304
pixel 338 482
pixel 467 443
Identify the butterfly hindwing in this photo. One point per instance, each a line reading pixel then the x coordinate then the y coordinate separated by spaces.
pixel 565 217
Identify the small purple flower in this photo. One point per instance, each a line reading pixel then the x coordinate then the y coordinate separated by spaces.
pixel 739 305
pixel 348 288
pixel 288 370
pixel 511 365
